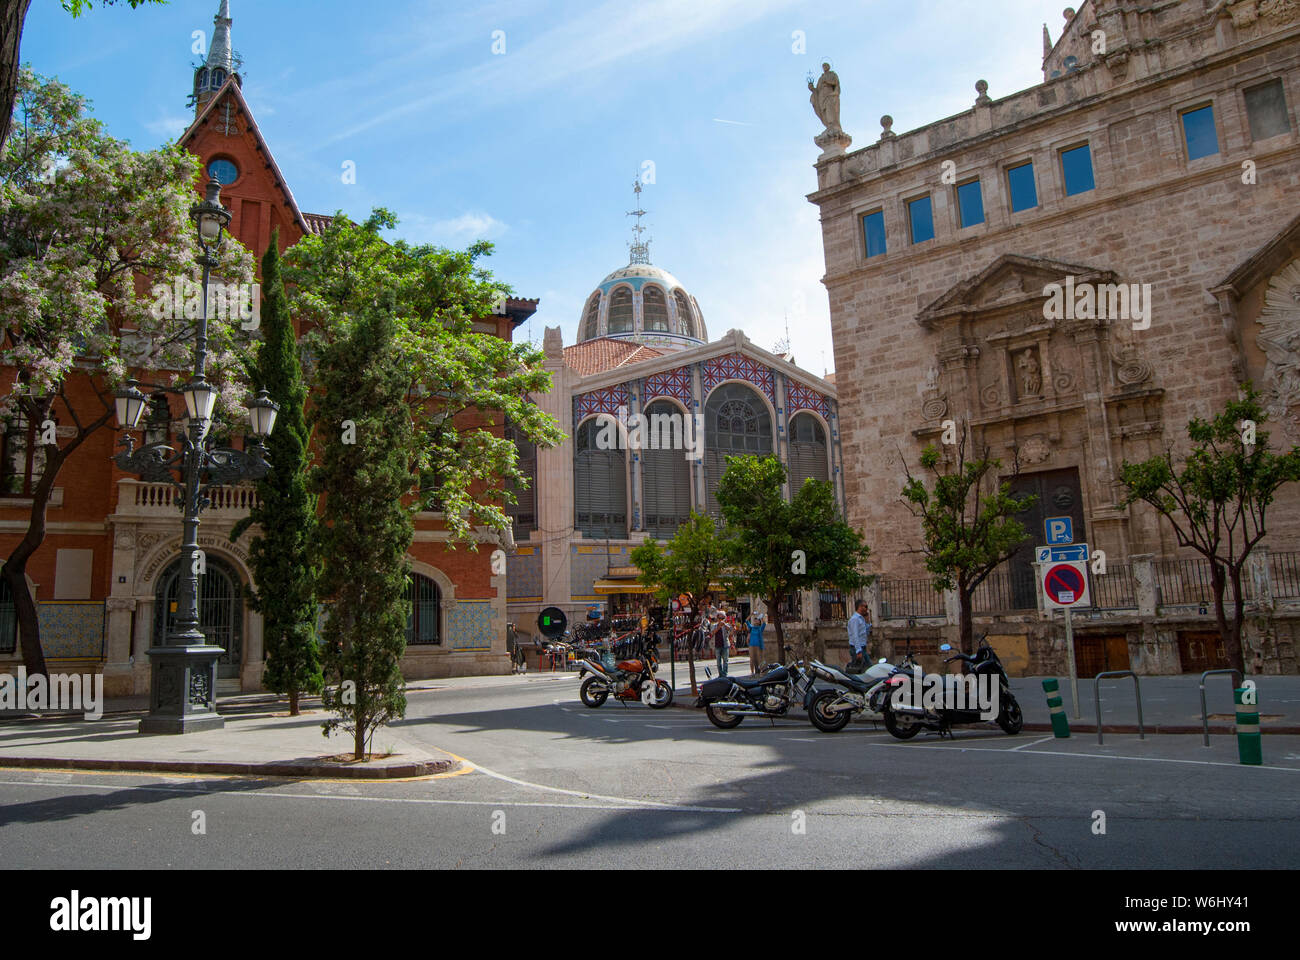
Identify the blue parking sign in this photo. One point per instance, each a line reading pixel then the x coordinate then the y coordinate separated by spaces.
pixel 1059 529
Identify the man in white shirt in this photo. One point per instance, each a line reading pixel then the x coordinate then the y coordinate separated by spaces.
pixel 860 630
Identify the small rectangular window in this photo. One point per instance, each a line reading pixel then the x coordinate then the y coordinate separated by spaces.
pixel 873 229
pixel 1266 107
pixel 1076 167
pixel 921 215
pixel 1023 190
pixel 1199 133
pixel 970 203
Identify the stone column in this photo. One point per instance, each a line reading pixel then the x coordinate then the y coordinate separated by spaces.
pixel 1144 583
pixel 118 674
pixel 144 615
pixel 250 671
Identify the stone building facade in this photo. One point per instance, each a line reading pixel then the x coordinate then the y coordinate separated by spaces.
pixel 1152 177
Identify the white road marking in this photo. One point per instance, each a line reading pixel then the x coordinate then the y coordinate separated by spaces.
pixel 619 805
pixel 1107 756
pixel 1034 743
pixel 597 796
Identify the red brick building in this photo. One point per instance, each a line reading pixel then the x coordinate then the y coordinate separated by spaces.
pixel 105 577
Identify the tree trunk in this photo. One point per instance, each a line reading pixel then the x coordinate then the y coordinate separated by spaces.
pixel 293 703
pixel 1236 651
pixel 966 626
pixel 358 738
pixel 1231 640
pixel 12 15
pixel 773 603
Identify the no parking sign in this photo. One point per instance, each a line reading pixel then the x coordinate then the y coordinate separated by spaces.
pixel 1065 585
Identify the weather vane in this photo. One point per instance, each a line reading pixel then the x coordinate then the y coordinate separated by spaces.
pixel 638 248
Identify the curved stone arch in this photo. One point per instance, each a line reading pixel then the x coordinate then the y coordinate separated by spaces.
pixel 758 391
pixel 446 597
pixel 826 435
pixel 666 398
pixel 622 428
pixel 160 557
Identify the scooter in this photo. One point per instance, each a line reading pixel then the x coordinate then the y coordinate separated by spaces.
pixel 906 720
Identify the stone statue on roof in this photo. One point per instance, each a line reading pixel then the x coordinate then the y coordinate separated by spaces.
pixel 825 99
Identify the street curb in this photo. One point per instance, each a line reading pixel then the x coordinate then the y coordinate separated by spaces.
pixel 299 769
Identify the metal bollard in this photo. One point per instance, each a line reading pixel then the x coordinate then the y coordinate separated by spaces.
pixel 1249 740
pixel 1060 723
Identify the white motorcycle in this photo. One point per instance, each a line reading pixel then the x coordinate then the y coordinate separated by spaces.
pixel 831 708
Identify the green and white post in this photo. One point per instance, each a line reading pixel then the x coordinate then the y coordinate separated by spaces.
pixel 1055 706
pixel 1249 742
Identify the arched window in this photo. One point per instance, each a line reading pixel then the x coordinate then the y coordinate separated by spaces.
pixel 523 515
pixel 218 78
pixel 201 80
pixel 221 610
pixel 423 612
pixel 807 450
pixel 656 310
pixel 8 620
pixel 620 311
pixel 685 319
pixel 666 483
pixel 591 318
pixel 599 486
pixel 736 422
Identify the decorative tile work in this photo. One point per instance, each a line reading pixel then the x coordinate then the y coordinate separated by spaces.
pixel 607 400
pixel 72 629
pixel 802 397
pixel 735 366
pixel 524 575
pixel 469 625
pixel 670 383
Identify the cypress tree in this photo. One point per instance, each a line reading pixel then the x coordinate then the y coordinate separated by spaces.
pixel 366 445
pixel 280 556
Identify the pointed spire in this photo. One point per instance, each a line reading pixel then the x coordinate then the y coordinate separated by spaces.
pixel 1047 43
pixel 221 54
pixel 639 249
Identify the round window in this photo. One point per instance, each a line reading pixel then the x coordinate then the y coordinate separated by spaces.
pixel 223 171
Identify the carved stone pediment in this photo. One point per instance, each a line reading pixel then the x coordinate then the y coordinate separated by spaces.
pixel 1011 280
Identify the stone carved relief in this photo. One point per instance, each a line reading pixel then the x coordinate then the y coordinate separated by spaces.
pixel 1283 11
pixel 933 404
pixel 200 688
pixel 1130 366
pixel 1279 338
pixel 1034 450
pixel 1029 374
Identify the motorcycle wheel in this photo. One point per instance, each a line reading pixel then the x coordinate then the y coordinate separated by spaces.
pixel 722 719
pixel 828 722
pixel 905 730
pixel 663 695
pixel 592 698
pixel 1010 719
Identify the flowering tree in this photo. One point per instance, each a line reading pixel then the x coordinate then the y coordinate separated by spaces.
pixel 88 227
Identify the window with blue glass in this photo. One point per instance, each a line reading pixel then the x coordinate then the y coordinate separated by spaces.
pixel 970 203
pixel 1199 133
pixel 873 228
pixel 1021 186
pixel 223 171
pixel 921 215
pixel 1076 169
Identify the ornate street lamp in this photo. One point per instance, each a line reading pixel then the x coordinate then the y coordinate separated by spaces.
pixel 183 668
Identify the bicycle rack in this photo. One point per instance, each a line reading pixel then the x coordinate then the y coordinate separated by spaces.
pixel 1205 714
pixel 1096 696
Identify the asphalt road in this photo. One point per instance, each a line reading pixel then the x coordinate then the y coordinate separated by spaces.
pixel 553 783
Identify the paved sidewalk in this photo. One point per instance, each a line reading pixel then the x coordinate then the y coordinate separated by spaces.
pixel 259 739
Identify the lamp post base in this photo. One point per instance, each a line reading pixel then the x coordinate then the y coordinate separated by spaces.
pixel 182 697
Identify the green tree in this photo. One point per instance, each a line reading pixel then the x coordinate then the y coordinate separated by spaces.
pixel 778 546
pixel 13 14
pixel 968 521
pixel 690 564
pixel 459 381
pixel 363 471
pixel 280 555
pixel 86 226
pixel 1217 500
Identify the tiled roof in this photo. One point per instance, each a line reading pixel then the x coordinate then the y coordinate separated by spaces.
pixel 606 353
pixel 317 223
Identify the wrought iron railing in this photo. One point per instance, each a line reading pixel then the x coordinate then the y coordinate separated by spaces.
pixel 909 598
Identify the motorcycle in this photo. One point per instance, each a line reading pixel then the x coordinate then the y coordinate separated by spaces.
pixel 905 722
pixel 831 708
pixel 632 678
pixel 771 693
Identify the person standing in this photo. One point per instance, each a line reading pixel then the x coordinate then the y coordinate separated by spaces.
pixel 757 624
pixel 860 631
pixel 721 644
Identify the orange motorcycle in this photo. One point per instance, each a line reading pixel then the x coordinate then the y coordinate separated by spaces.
pixel 632 678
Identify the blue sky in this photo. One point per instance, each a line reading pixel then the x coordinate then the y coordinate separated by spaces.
pixel 536 148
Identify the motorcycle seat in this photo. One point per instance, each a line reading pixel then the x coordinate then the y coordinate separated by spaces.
pixel 779 675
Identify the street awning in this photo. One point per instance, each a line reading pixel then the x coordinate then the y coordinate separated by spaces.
pixel 606 585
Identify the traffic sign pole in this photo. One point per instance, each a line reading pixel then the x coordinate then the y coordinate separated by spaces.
pixel 1074 672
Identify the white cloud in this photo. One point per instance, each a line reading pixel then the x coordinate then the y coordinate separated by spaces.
pixel 454 232
pixel 168 126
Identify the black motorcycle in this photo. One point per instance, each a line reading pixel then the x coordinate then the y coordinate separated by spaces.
pixel 906 720
pixel 769 693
